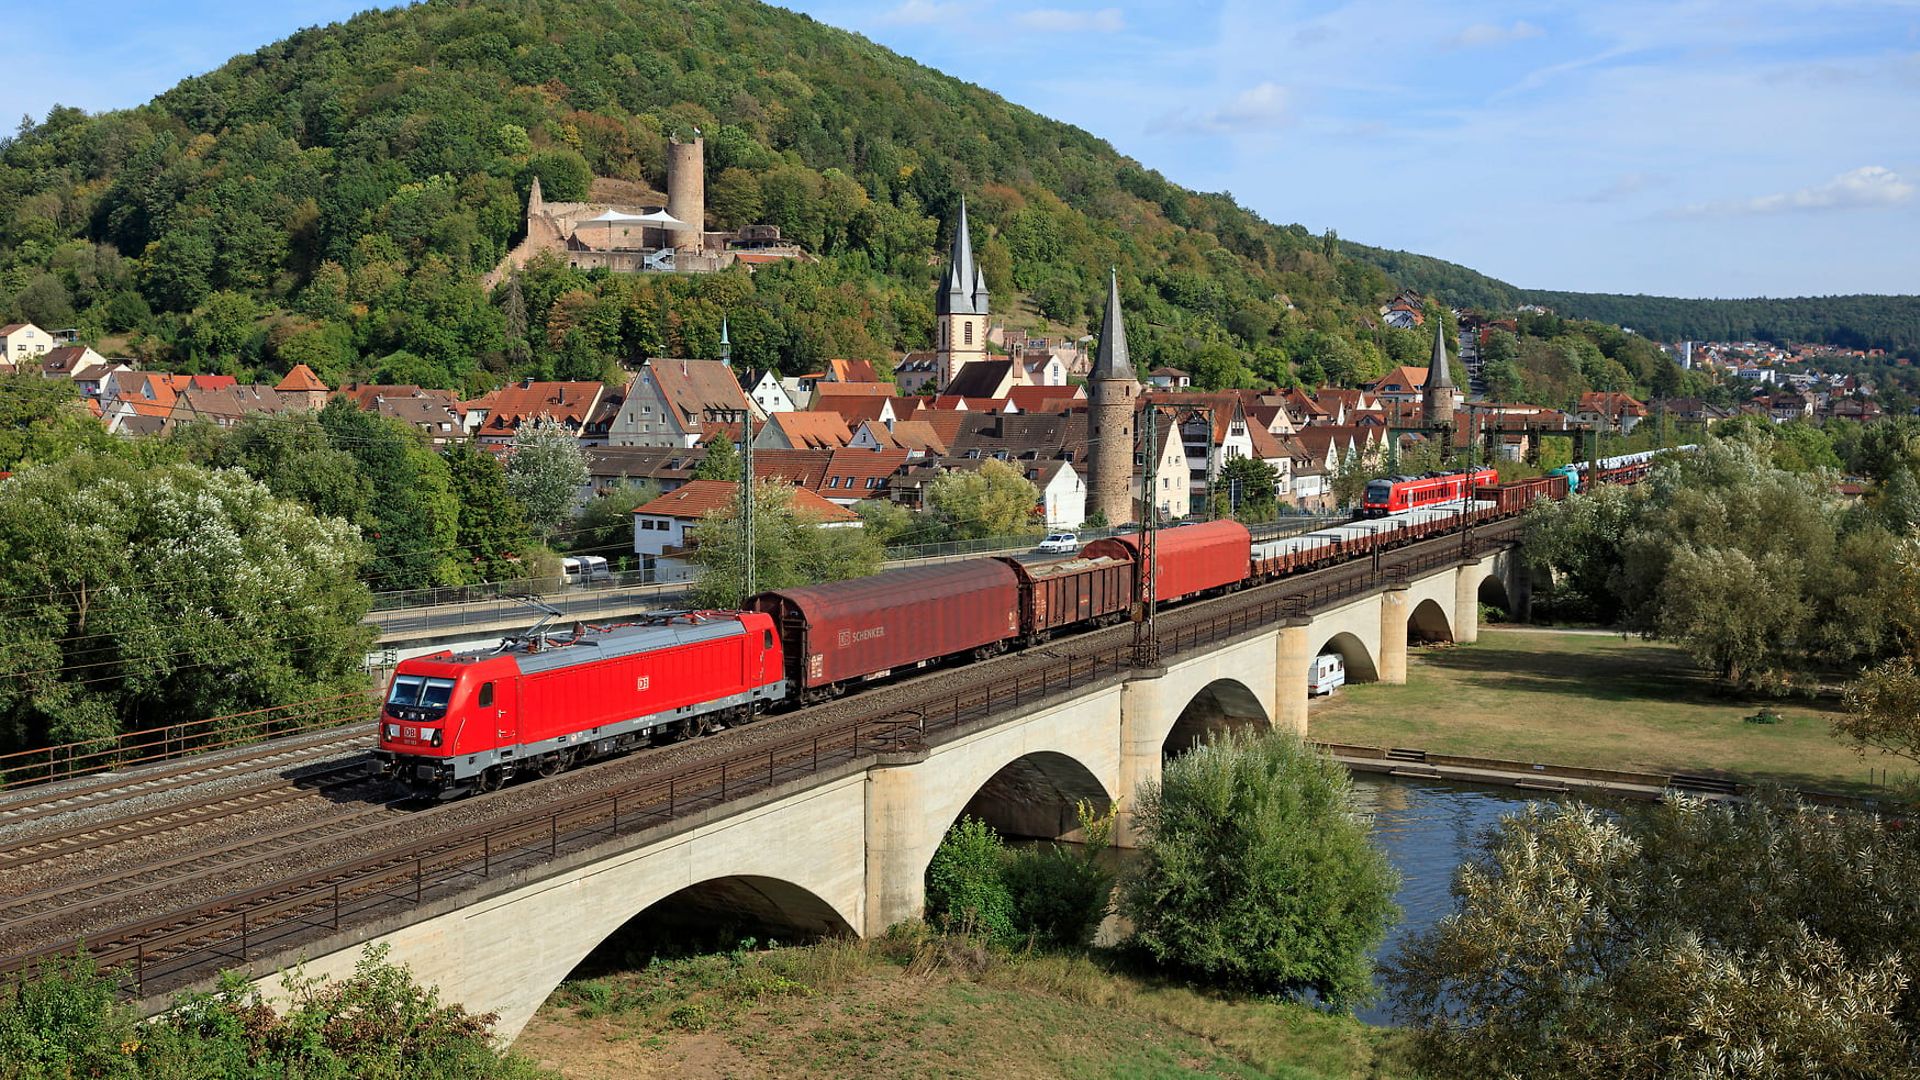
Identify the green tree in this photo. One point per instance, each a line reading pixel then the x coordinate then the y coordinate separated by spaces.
pixel 43 420
pixel 293 454
pixel 414 517
pixel 1683 939
pixel 1257 870
pixel 492 532
pixel 545 471
pixel 1247 488
pixel 722 462
pixel 993 500
pixel 604 525
pixel 965 889
pixel 217 598
pixel 789 549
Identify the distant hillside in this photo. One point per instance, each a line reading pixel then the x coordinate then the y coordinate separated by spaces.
pixel 1855 322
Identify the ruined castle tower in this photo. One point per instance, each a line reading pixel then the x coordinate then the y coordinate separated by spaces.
pixel 687 191
pixel 1110 417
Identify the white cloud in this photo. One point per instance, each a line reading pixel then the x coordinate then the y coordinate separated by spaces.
pixel 1482 35
pixel 922 13
pixel 1864 188
pixel 1059 21
pixel 1257 108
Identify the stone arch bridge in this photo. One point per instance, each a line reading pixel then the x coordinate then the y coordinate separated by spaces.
pixel 848 852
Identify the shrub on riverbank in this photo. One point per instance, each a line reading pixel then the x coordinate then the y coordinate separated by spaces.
pixel 1052 894
pixel 1685 939
pixel 1258 872
pixel 375 1025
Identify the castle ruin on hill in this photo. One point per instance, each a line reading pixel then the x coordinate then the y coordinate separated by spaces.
pixel 659 238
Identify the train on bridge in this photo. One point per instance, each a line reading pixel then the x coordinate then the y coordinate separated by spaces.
pixel 542 703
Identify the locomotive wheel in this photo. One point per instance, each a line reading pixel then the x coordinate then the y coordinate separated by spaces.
pixel 555 763
pixel 490 779
pixel 692 727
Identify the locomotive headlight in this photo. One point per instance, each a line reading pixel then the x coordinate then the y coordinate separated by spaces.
pixel 435 737
pixel 393 731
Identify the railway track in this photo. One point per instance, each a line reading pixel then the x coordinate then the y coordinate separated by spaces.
pixel 96 836
pixel 38 803
pixel 174 945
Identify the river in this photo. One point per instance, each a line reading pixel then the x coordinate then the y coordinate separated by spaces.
pixel 1426 828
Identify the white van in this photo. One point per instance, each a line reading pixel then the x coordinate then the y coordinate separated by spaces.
pixel 1327 674
pixel 584 570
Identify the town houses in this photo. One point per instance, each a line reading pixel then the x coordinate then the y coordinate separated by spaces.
pixel 1069 415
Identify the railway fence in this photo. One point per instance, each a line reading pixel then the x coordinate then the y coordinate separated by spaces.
pixel 177 947
pixel 147 745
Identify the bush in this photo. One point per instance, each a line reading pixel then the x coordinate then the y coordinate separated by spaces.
pixel 1689 938
pixel 378 1023
pixel 965 892
pixel 1059 895
pixel 1258 872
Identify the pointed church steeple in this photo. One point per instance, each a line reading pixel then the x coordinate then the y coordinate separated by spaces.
pixel 1437 373
pixel 957 296
pixel 1111 360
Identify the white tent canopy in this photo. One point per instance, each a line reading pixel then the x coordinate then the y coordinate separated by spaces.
pixel 659 219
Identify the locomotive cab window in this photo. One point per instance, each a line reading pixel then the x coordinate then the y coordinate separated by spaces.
pixel 486 694
pixel 766 639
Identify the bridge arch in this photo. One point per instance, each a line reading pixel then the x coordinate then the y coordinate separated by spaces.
pixel 1493 591
pixel 1034 796
pixel 713 914
pixel 1220 706
pixel 1429 622
pixel 1359 661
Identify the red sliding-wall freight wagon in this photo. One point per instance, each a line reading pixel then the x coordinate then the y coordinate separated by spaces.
pixel 1193 558
pixel 847 630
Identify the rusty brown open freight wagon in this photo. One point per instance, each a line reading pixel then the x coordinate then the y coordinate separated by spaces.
pixel 1081 588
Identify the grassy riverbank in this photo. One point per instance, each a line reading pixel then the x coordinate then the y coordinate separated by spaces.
pixel 918 1005
pixel 1574 698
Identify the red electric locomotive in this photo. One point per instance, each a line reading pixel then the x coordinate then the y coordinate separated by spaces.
pixel 459 721
pixel 1393 494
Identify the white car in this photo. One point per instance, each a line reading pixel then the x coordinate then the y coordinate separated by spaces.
pixel 1059 544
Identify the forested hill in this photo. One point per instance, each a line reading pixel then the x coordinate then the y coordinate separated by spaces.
pixel 1855 322
pixel 335 197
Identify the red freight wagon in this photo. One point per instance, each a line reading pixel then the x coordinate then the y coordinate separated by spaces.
pixel 863 627
pixel 458 719
pixel 1193 558
pixel 1065 592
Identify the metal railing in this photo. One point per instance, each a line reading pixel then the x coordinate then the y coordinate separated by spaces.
pixel 146 745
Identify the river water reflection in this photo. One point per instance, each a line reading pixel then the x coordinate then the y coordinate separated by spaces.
pixel 1426 829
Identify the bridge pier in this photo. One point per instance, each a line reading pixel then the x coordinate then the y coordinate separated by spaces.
pixel 897 847
pixel 1466 604
pixel 1519 586
pixel 1293 654
pixel 1392 661
pixel 1142 738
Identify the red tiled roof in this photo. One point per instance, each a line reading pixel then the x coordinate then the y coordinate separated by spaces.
pixel 919 435
pixel 697 498
pixel 824 389
pixel 864 472
pixel 852 371
pixel 301 380
pixel 812 430
pixel 1045 398
pixel 568 402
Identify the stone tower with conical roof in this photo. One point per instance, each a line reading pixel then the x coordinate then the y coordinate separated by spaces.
pixel 1438 394
pixel 1113 393
pixel 961 307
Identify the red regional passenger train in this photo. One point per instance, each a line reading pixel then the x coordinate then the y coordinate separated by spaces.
pixel 459 722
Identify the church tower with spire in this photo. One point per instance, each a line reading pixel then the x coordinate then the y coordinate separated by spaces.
pixel 1113 393
pixel 961 308
pixel 1437 397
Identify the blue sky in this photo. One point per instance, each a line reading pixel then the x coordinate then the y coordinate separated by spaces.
pixel 1692 148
